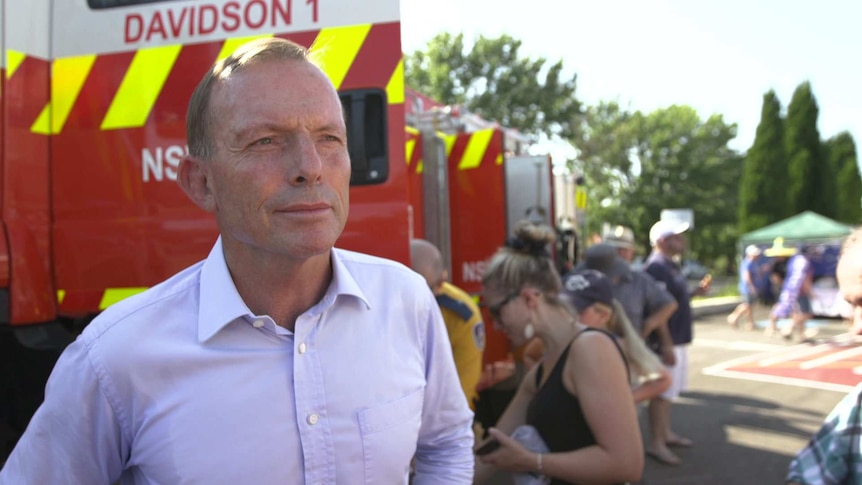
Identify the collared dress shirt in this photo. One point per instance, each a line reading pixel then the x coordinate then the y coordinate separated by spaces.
pixel 834 454
pixel 183 384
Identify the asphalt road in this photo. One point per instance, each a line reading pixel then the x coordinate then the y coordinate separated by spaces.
pixel 746 426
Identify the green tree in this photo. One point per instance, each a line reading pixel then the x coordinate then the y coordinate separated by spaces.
pixel 492 79
pixel 763 186
pixel 670 158
pixel 841 153
pixel 811 185
pixel 605 140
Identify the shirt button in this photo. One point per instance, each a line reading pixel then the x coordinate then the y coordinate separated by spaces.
pixel 312 419
pixel 302 348
pixel 258 323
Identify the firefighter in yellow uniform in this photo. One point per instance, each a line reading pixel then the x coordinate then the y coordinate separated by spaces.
pixel 461 314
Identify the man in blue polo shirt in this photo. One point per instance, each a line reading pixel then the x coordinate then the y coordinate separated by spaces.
pixel 668 243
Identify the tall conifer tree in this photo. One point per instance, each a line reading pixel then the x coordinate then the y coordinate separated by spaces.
pixel 812 183
pixel 841 153
pixel 763 186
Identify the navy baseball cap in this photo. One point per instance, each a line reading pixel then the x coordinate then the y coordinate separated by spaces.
pixel 585 287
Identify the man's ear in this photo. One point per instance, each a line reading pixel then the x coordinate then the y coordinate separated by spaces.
pixel 194 178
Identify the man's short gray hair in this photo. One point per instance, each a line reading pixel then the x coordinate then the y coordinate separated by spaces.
pixel 198 117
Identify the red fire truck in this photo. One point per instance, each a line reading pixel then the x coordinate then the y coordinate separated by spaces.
pixel 470 182
pixel 94 94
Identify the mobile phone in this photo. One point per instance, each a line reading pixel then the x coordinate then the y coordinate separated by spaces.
pixel 487 447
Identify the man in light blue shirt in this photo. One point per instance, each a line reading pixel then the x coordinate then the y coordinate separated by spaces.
pixel 278 359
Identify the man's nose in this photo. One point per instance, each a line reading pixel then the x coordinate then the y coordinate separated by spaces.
pixel 306 165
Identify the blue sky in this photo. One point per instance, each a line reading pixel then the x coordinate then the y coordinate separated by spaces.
pixel 717 56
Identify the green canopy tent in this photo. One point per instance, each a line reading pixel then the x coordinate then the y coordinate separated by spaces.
pixel 807 227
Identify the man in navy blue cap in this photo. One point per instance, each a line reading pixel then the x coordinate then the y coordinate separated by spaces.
pixel 647 304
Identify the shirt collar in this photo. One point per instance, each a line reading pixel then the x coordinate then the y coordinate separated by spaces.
pixel 221 303
pixel 343 283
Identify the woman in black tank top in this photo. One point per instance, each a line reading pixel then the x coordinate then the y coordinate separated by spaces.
pixel 578 397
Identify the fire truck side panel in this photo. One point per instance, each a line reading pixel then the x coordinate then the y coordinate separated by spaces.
pixel 413 154
pixel 477 204
pixel 182 22
pixel 25 156
pixel 476 199
pixel 4 245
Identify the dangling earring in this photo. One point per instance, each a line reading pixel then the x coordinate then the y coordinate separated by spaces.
pixel 529 331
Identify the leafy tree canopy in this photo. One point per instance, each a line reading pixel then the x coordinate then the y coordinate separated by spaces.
pixel 492 79
pixel 638 164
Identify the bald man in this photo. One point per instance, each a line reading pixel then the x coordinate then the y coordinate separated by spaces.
pixel 832 455
pixel 461 314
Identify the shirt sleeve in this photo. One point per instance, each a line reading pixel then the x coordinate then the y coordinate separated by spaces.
pixel 74 436
pixel 829 456
pixel 656 294
pixel 444 452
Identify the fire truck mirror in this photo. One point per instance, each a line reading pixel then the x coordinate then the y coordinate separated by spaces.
pixel 365 117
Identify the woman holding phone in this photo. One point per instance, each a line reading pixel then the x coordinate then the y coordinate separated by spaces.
pixel 578 397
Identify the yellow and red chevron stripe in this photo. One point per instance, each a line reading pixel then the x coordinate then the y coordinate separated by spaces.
pixel 465 151
pixel 83 302
pixel 468 151
pixel 413 149
pixel 127 90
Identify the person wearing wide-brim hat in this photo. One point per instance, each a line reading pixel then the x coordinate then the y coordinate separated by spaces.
pixel 779 250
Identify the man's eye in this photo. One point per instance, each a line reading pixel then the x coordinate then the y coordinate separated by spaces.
pixel 264 141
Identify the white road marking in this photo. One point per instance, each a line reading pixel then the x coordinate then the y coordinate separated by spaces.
pixel 761 438
pixel 790 381
pixel 771 354
pixel 736 345
pixel 799 352
pixel 828 359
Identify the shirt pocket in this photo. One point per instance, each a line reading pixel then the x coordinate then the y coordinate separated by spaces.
pixel 389 435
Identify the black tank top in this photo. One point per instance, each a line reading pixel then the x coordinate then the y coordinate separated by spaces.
pixel 556 413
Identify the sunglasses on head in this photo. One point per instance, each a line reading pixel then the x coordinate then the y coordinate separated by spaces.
pixel 496 308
